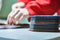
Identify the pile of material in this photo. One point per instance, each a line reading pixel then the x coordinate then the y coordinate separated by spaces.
pixel 44 23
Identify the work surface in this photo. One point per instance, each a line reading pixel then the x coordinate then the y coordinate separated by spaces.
pixel 25 34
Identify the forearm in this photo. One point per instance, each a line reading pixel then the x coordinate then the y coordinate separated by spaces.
pixel 33 8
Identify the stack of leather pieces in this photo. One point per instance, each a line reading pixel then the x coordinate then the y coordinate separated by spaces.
pixel 44 24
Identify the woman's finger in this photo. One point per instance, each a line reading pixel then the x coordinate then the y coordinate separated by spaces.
pixel 20 19
pixel 9 21
pixel 17 16
pixel 13 14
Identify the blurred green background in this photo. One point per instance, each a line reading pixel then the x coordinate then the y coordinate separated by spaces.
pixel 6 8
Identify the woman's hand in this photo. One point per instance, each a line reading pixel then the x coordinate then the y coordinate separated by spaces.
pixel 17 15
